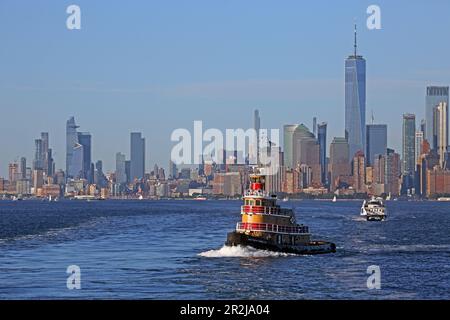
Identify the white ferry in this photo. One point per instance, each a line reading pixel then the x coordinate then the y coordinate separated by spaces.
pixel 374 209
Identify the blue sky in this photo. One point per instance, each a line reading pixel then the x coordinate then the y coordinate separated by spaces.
pixel 154 66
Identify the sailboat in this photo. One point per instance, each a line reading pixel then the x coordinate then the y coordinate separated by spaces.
pixel 334 199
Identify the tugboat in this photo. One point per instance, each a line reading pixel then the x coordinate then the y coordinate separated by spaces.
pixel 374 209
pixel 266 226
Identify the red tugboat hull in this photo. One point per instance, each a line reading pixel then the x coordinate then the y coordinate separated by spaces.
pixel 314 247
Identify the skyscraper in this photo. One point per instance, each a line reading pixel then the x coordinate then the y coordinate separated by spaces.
pixel 45 148
pixel 38 162
pixel 408 152
pixel 392 172
pixel 355 101
pixel 339 161
pixel 76 169
pixel 359 172
pixel 376 143
pixel 418 146
pixel 288 136
pixel 441 131
pixel 322 138
pixel 121 175
pixel 23 168
pixel 84 139
pixel 304 150
pixel 71 142
pixel 408 138
pixel 173 171
pixel 435 95
pixel 137 158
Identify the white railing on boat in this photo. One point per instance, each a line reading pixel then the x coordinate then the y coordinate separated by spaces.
pixel 267 227
pixel 266 210
pixel 256 193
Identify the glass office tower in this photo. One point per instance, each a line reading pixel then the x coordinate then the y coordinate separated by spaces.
pixel 355 102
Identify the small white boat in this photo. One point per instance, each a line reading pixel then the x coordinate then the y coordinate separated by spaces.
pixel 374 209
pixel 141 197
pixel 334 199
pixel 285 199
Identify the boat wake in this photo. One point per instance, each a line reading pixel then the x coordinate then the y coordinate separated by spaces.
pixel 242 252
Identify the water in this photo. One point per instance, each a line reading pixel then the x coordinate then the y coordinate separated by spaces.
pixel 174 250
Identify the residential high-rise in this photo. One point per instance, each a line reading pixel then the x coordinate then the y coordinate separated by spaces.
pixel 71 142
pixel 137 156
pixel 376 143
pixel 322 139
pixel 435 95
pixel 441 131
pixel 418 146
pixel 355 101
pixel 38 162
pixel 45 151
pixel 50 163
pixel 339 161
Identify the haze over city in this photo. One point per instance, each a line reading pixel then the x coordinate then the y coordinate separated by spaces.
pixel 155 67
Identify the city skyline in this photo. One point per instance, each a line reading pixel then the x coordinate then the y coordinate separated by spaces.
pixel 265 83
